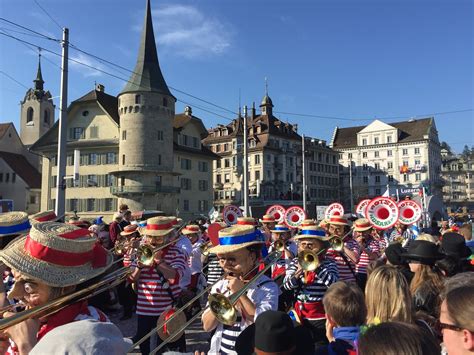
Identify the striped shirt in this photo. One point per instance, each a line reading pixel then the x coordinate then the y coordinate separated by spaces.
pixel 374 247
pixel 345 273
pixel 153 298
pixel 325 275
pixel 195 263
pixel 229 336
pixel 214 270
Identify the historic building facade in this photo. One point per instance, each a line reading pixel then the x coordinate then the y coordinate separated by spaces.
pixel 400 155
pixel 133 148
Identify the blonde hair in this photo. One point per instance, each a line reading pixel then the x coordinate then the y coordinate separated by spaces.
pixel 387 295
pixel 428 238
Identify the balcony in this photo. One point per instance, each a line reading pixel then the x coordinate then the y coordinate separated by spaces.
pixel 128 190
pixel 218 185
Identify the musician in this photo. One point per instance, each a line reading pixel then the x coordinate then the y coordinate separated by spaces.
pixel 369 249
pixel 268 223
pixel 348 258
pixel 55 259
pixel 193 233
pixel 238 253
pixel 282 234
pixel 214 269
pixel 309 286
pixel 184 244
pixel 400 233
pixel 158 284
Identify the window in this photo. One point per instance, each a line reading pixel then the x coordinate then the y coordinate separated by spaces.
pixel 159 159
pixel 203 185
pixel 218 164
pixel 122 181
pixel 124 135
pixel 109 180
pixel 349 156
pixel 92 180
pixel 160 135
pixel 226 163
pixel 218 178
pixel 390 165
pixel 377 192
pixel 94 132
pixel 165 104
pixel 376 140
pixel 46 116
pixel 73 204
pixel 405 163
pixel 85 113
pixel 377 166
pixel 418 177
pixel 257 175
pixel 376 154
pixel 109 204
pixel 417 162
pixel 389 153
pixel 227 178
pixel 203 206
pixel 405 177
pixel 389 139
pixel 77 133
pixel 92 159
pixel 366 179
pixel 138 99
pixel 13 178
pixel 91 206
pixel 405 151
pixel 390 178
pixel 364 155
pixel 186 164
pixel 54 160
pixel 111 158
pixel 186 184
pixel 29 115
pixel 1 177
pixel 257 159
pixel 186 205
pixel 417 150
pixel 365 166
pixel 377 178
pixel 158 181
pixel 203 166
pixel 123 159
pixel 364 141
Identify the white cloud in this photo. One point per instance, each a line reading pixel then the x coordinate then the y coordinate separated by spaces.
pixel 83 69
pixel 188 32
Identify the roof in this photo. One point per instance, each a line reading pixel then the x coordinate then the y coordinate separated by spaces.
pixel 4 128
pixel 409 131
pixel 203 151
pixel 182 119
pixel 147 74
pixel 23 169
pixel 108 102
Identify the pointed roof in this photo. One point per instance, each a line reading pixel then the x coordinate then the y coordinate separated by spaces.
pixel 147 74
pixel 39 77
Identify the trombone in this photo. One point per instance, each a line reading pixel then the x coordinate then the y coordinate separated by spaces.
pixel 279 245
pixel 147 253
pixel 309 260
pixel 204 248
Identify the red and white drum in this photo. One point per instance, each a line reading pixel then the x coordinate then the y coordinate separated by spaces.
pixel 382 212
pixel 230 214
pixel 361 208
pixel 334 209
pixel 410 212
pixel 294 216
pixel 278 212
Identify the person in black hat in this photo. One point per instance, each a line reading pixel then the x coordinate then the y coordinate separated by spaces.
pixel 393 253
pixel 273 333
pixel 427 282
pixel 457 252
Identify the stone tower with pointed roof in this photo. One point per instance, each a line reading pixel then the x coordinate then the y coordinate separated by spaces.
pixel 37 111
pixel 146 108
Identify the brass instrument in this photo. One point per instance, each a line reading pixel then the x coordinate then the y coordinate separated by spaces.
pixel 279 245
pixel 309 260
pixel 120 248
pixel 146 252
pixel 223 307
pixel 337 243
pixel 204 248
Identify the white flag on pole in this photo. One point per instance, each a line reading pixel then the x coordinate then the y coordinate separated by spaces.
pixel 386 193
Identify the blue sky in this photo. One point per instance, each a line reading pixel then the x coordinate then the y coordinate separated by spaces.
pixel 356 60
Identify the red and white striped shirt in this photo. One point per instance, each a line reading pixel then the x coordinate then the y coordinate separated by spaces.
pixel 345 273
pixel 153 298
pixel 374 246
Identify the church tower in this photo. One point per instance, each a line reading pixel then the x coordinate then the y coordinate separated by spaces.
pixel 37 111
pixel 146 109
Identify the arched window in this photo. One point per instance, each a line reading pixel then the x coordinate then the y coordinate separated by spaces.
pixel 138 99
pixel 29 115
pixel 46 116
pixel 165 102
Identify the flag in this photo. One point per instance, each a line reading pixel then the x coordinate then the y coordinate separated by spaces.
pixel 386 193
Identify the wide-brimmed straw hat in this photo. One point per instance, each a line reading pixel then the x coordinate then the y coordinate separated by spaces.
pixel 12 223
pixel 280 228
pixel 130 229
pixel 362 225
pixel 423 251
pixel 45 216
pixel 308 222
pixel 246 221
pixel 57 254
pixel 235 238
pixel 176 222
pixel 158 226
pixel 338 221
pixel 191 229
pixel 267 218
pixel 312 232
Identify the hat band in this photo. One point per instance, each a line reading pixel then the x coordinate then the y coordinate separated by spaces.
pixel 282 229
pixel 98 255
pixel 159 227
pixel 16 228
pixel 363 225
pixel 46 218
pixel 76 233
pixel 313 232
pixel 240 239
pixel 245 223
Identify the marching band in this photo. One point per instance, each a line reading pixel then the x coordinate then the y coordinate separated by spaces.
pixel 166 267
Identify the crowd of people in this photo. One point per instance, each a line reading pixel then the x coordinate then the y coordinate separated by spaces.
pixel 328 287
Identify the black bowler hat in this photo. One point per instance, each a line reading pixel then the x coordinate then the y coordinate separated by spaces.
pixel 454 244
pixel 273 332
pixel 394 254
pixel 423 251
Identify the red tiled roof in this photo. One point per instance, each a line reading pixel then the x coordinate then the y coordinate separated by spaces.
pixel 23 169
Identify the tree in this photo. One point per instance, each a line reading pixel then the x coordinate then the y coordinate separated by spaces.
pixel 466 152
pixel 446 146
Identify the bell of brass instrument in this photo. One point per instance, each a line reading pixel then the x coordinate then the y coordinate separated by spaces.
pixel 279 245
pixel 120 248
pixel 204 248
pixel 146 252
pixel 336 243
pixel 308 260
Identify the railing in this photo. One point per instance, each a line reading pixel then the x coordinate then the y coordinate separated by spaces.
pixel 122 190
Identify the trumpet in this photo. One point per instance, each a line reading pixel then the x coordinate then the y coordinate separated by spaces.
pixel 223 307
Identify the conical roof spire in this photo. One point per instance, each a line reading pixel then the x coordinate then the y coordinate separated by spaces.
pixel 147 74
pixel 39 77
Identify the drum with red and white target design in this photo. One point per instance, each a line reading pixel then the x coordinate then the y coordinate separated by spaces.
pixel 382 212
pixel 333 210
pixel 361 207
pixel 230 213
pixel 294 216
pixel 410 212
pixel 278 212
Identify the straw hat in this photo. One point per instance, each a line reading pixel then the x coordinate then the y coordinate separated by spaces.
pixel 338 221
pixel 362 225
pixel 267 218
pixel 176 222
pixel 312 232
pixel 323 223
pixel 130 229
pixel 45 216
pixel 191 229
pixel 280 228
pixel 158 226
pixel 246 221
pixel 308 222
pixel 235 238
pixel 58 254
pixel 12 223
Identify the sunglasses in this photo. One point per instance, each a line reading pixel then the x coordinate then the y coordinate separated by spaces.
pixel 442 326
